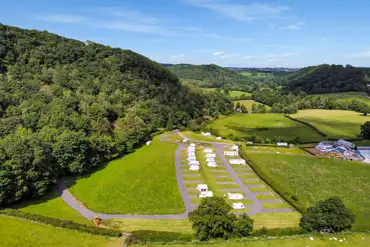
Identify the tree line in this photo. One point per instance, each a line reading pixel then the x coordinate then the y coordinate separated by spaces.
pixel 68 106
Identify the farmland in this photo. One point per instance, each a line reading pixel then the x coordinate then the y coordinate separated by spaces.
pixel 248 104
pixel 312 179
pixel 265 126
pixel 334 123
pixel 345 96
pixel 19 232
pixel 143 182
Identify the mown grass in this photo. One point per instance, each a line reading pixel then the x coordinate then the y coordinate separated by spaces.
pixel 200 137
pixel 238 93
pixel 276 220
pixel 248 104
pixel 312 179
pixel 265 126
pixel 18 232
pixel 143 182
pixel 275 150
pixel 52 205
pixel 335 124
pixel 355 240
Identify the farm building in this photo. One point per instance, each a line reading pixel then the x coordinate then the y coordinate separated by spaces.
pixel 193 168
pixel 210 156
pixel 237 162
pixel 234 196
pixel 208 150
pixel 210 159
pixel 345 144
pixel 149 143
pixel 282 144
pixel 211 164
pixel 325 146
pixel 235 147
pixel 238 205
pixel 206 134
pixel 230 153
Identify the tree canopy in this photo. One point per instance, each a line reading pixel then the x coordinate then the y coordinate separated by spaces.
pixel 67 106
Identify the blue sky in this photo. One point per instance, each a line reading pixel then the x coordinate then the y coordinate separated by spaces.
pixel 258 33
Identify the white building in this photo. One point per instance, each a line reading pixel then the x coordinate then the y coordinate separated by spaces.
pixel 326 146
pixel 210 156
pixel 231 153
pixel 238 205
pixel 193 168
pixel 235 147
pixel 206 134
pixel 149 143
pixel 345 144
pixel 211 164
pixel 237 162
pixel 234 196
pixel 208 150
pixel 282 144
pixel 210 159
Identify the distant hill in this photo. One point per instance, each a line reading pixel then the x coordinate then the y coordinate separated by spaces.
pixel 211 76
pixel 327 79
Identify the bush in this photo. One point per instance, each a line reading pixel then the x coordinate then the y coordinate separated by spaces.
pixel 330 215
pixel 61 223
pixel 243 226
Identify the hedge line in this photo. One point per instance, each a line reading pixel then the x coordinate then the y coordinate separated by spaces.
pixel 307 124
pixel 273 184
pixel 61 223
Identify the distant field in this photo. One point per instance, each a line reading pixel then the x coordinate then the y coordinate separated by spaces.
pixel 256 74
pixel 355 240
pixel 264 125
pixel 335 123
pixel 17 232
pixel 52 205
pixel 231 93
pixel 346 96
pixel 143 182
pixel 200 137
pixel 248 104
pixel 312 179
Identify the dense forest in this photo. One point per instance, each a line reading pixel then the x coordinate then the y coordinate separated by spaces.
pixel 212 76
pixel 326 79
pixel 67 106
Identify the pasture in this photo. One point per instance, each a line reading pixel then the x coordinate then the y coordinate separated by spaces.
pixel 312 179
pixel 53 206
pixel 265 126
pixel 18 232
pixel 143 182
pixel 234 94
pixel 345 96
pixel 248 104
pixel 335 124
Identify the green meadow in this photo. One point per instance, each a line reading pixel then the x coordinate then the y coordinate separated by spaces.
pixel 345 96
pixel 248 104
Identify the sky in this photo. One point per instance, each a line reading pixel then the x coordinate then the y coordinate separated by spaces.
pixel 243 33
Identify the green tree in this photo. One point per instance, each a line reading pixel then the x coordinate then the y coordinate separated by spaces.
pixel 243 226
pixel 237 106
pixel 365 130
pixel 169 125
pixel 328 215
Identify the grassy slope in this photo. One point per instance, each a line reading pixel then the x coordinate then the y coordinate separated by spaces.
pixel 356 240
pixel 312 179
pixel 276 124
pixel 18 232
pixel 52 205
pixel 237 93
pixel 335 123
pixel 143 182
pixel 248 104
pixel 346 96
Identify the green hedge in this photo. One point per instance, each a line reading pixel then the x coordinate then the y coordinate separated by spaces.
pixel 307 124
pixel 273 184
pixel 61 223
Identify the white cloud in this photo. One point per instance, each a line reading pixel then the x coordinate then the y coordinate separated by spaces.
pixel 218 53
pixel 365 54
pixel 295 27
pixel 241 12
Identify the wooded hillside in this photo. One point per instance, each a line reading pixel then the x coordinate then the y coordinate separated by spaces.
pixel 212 76
pixel 67 106
pixel 327 79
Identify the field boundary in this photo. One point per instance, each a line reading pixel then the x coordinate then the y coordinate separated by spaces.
pixel 61 223
pixel 308 125
pixel 291 199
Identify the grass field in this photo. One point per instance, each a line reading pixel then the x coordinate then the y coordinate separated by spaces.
pixel 334 123
pixel 248 104
pixel 264 125
pixel 355 240
pixel 312 179
pixel 345 96
pixel 237 93
pixel 52 205
pixel 274 150
pixel 200 137
pixel 143 182
pixel 18 232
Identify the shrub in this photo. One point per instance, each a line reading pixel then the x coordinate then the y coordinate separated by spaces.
pixel 243 226
pixel 330 215
pixel 61 223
